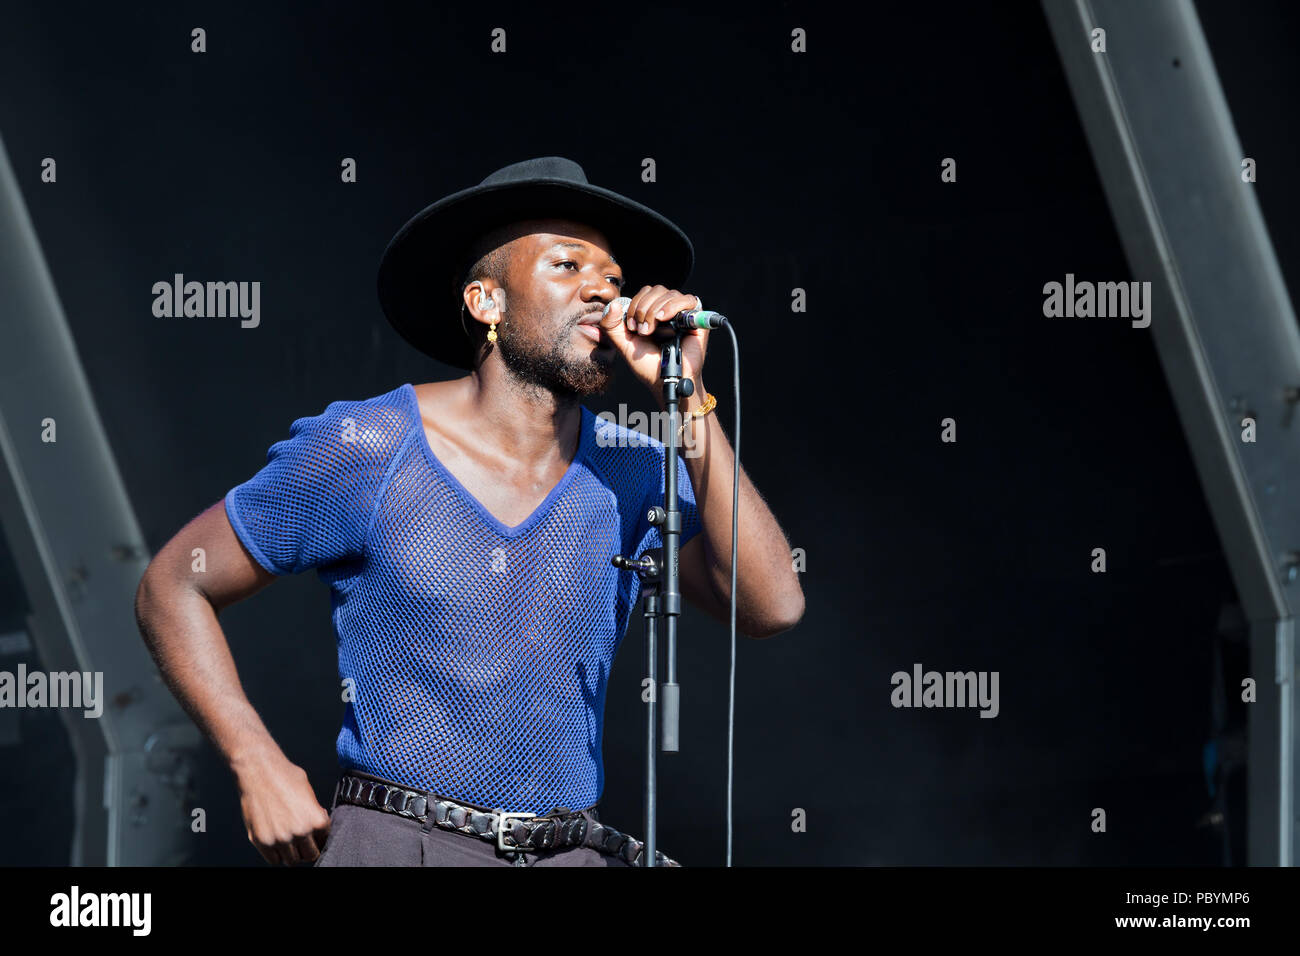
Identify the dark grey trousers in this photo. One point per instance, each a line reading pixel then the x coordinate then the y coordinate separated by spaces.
pixel 362 837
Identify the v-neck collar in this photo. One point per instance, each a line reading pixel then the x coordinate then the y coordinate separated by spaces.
pixel 505 531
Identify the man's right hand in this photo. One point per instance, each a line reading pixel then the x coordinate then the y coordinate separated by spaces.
pixel 284 820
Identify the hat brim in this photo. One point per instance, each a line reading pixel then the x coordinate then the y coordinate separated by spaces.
pixel 423 264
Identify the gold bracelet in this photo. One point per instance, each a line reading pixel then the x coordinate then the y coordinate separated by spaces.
pixel 709 403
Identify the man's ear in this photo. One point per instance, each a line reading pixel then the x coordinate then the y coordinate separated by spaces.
pixel 478 300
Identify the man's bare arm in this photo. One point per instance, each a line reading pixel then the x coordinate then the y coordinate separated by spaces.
pixel 770 598
pixel 176 608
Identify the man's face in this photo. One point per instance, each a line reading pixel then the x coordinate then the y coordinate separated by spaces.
pixel 561 273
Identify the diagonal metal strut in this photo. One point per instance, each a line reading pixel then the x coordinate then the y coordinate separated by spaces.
pixel 1171 164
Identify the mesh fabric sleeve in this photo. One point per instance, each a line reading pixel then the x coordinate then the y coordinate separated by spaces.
pixel 311 504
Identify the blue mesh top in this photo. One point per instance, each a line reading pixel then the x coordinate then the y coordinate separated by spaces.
pixel 478 653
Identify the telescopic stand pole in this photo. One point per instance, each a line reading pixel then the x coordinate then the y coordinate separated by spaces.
pixel 661 590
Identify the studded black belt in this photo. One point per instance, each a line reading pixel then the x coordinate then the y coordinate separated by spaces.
pixel 511 832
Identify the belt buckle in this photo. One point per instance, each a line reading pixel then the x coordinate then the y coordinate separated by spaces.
pixel 502 816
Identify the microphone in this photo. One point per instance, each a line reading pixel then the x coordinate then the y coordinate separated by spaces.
pixel 685 320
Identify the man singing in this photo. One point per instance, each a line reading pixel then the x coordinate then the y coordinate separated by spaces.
pixel 465 529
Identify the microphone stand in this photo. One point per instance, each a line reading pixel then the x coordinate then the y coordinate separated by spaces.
pixel 660 590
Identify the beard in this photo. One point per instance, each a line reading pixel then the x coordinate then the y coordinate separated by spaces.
pixel 551 365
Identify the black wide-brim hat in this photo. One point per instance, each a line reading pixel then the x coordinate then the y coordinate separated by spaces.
pixel 422 269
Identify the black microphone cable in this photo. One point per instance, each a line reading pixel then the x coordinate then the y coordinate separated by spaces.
pixel 707 319
pixel 735 553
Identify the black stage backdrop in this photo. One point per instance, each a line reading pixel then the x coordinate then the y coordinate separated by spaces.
pixel 818 171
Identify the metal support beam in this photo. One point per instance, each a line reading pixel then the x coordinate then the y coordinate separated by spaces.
pixel 79 552
pixel 1171 164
